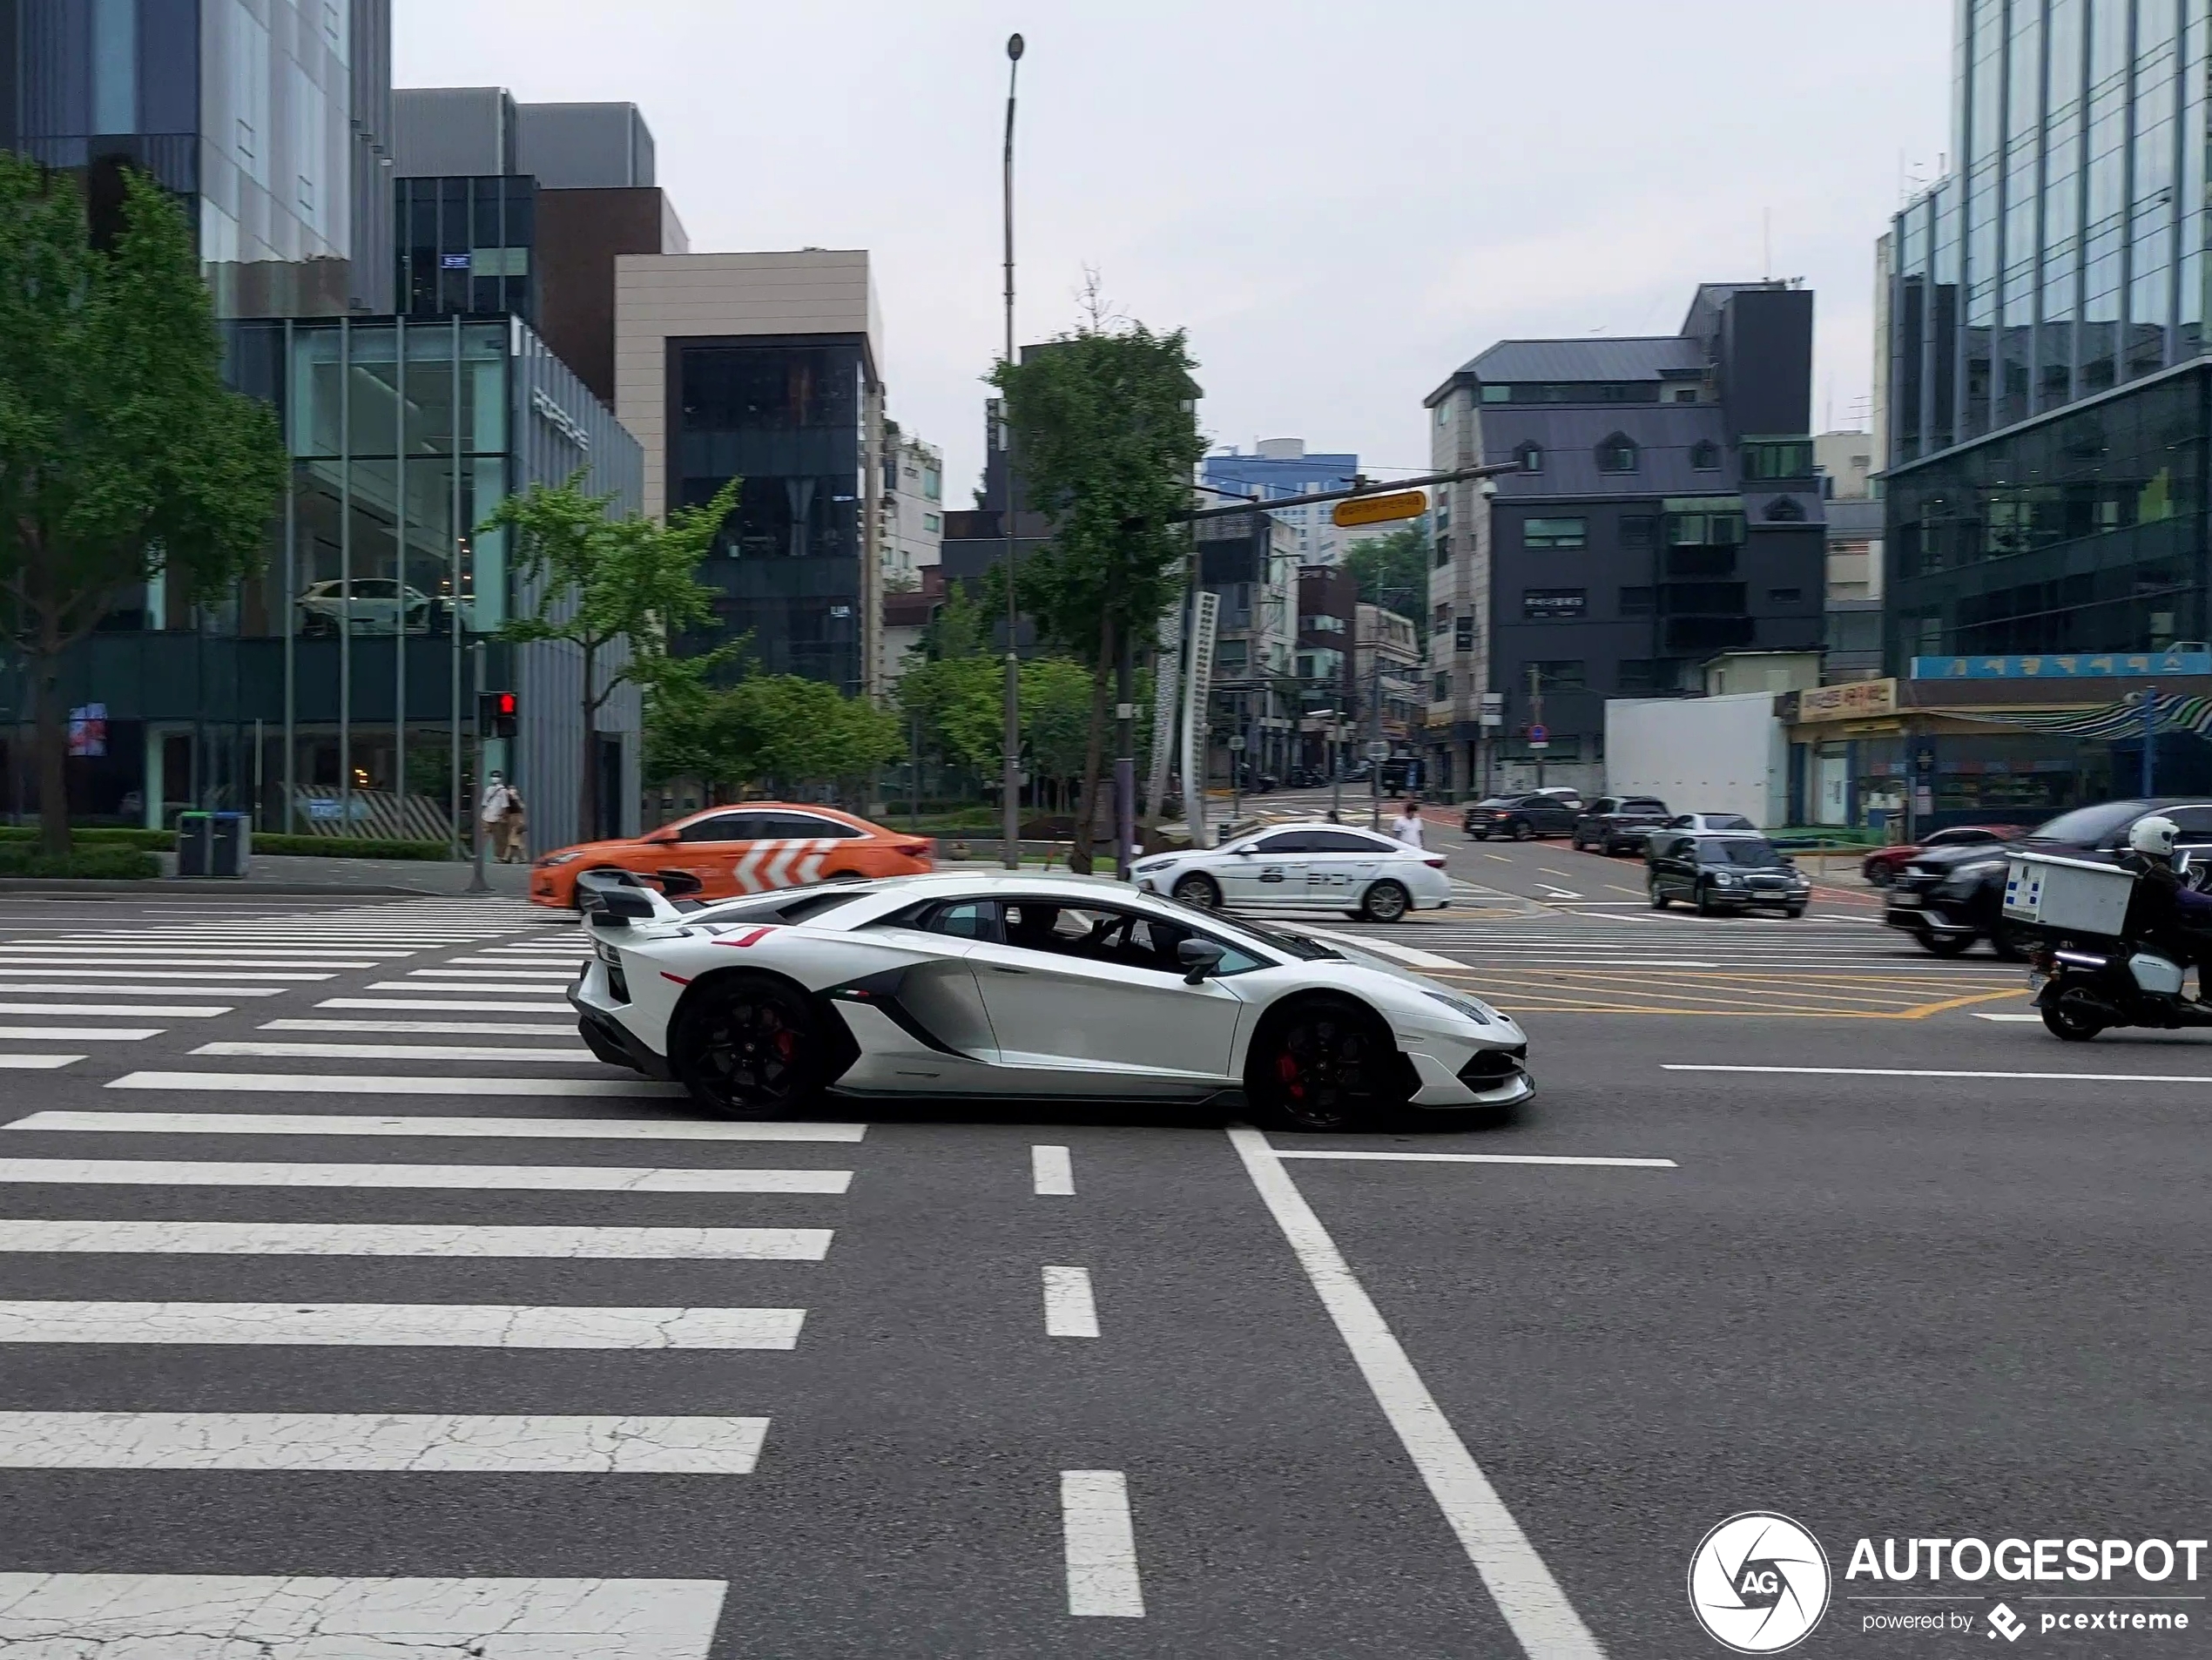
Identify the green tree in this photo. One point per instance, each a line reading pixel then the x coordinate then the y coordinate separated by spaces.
pixel 618 590
pixel 1392 570
pixel 778 729
pixel 1106 435
pixel 123 455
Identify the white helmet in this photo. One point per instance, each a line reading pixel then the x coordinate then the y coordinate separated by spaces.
pixel 2154 836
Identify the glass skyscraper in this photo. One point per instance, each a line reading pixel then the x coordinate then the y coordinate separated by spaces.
pixel 2045 399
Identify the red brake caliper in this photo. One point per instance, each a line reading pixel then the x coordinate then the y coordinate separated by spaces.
pixel 1286 1070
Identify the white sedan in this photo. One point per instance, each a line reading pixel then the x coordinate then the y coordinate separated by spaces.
pixel 1305 867
pixel 1023 985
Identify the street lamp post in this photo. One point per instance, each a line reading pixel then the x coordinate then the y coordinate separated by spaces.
pixel 1011 773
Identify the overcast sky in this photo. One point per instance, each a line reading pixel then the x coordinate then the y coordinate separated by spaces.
pixel 1341 204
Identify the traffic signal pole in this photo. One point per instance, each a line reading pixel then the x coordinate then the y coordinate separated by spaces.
pixel 476 882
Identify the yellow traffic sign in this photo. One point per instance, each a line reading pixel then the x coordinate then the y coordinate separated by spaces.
pixel 1378 509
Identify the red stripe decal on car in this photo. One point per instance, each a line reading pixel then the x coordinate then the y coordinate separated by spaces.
pixel 751 936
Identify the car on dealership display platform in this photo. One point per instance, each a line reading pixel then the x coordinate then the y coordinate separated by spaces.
pixel 726 851
pixel 1538 812
pixel 1731 872
pixel 1009 984
pixel 1617 823
pixel 1303 866
pixel 1947 898
pixel 1881 866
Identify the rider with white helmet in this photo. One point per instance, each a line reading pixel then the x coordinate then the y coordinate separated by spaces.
pixel 2165 911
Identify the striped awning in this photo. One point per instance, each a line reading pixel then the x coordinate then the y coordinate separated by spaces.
pixel 2123 719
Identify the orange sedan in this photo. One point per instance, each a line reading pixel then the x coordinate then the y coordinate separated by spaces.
pixel 734 850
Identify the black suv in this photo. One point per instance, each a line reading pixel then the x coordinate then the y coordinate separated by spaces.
pixel 1724 873
pixel 1618 823
pixel 1949 897
pixel 1521 816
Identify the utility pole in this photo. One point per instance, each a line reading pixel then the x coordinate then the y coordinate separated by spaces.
pixel 1124 751
pixel 1010 772
pixel 476 882
pixel 1536 719
pixel 1374 741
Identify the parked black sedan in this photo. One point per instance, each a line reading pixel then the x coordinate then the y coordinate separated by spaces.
pixel 1618 823
pixel 1724 873
pixel 1947 898
pixel 1521 817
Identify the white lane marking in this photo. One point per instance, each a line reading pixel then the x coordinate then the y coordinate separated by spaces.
pixel 2025 1020
pixel 84 971
pixel 1558 893
pixel 72 962
pixel 72 987
pixel 190 955
pixel 570 1054
pixel 320 1124
pixel 210 1616
pixel 1052 1171
pixel 457 987
pixel 474 1326
pixel 449 1028
pixel 1500 857
pixel 1530 1599
pixel 1405 954
pixel 412 1441
pixel 163 1011
pixel 346 1084
pixel 37 1063
pixel 546 1179
pixel 441 1239
pixel 1478 1158
pixel 1068 1308
pixel 1099 1542
pixel 80 1034
pixel 1929 1072
pixel 426 1003
pixel 558 976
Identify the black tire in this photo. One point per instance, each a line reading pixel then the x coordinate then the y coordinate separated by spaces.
pixel 1946 945
pixel 1659 900
pixel 1197 890
pixel 1478 836
pixel 1793 911
pixel 1323 1064
pixel 1520 830
pixel 1385 902
pixel 2068 1024
pixel 751 1046
pixel 2011 948
pixel 1881 876
pixel 1704 900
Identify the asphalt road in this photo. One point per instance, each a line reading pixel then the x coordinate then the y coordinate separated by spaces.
pixel 1920 1272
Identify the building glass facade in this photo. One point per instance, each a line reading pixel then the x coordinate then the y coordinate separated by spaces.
pixel 2065 255
pixel 465 246
pixel 790 417
pixel 334 690
pixel 267 117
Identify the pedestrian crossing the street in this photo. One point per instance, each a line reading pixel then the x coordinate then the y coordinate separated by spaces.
pixel 535 1157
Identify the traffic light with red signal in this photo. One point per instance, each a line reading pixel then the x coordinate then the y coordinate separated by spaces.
pixel 496 713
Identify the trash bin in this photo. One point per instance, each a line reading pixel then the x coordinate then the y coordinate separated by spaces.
pixel 195 844
pixel 232 844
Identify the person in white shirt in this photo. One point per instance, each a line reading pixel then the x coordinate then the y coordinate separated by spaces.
pixel 1406 827
pixel 501 814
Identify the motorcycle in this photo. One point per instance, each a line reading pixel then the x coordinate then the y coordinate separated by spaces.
pixel 2086 983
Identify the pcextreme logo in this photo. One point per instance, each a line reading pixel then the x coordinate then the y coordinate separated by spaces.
pixel 1758 1583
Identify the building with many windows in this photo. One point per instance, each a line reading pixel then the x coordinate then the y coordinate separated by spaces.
pixel 1664 508
pixel 1281 466
pixel 270 119
pixel 762 366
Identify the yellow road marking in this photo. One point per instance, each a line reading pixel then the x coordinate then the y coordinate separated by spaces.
pixel 1775 1002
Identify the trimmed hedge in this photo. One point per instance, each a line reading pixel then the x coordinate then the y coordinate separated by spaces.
pixel 349 848
pixel 98 835
pixel 101 864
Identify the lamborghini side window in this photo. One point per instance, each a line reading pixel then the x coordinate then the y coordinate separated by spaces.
pixel 966 919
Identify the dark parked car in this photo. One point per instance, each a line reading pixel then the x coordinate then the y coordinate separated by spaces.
pixel 1521 816
pixel 1724 873
pixel 1880 867
pixel 1949 897
pixel 1618 823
